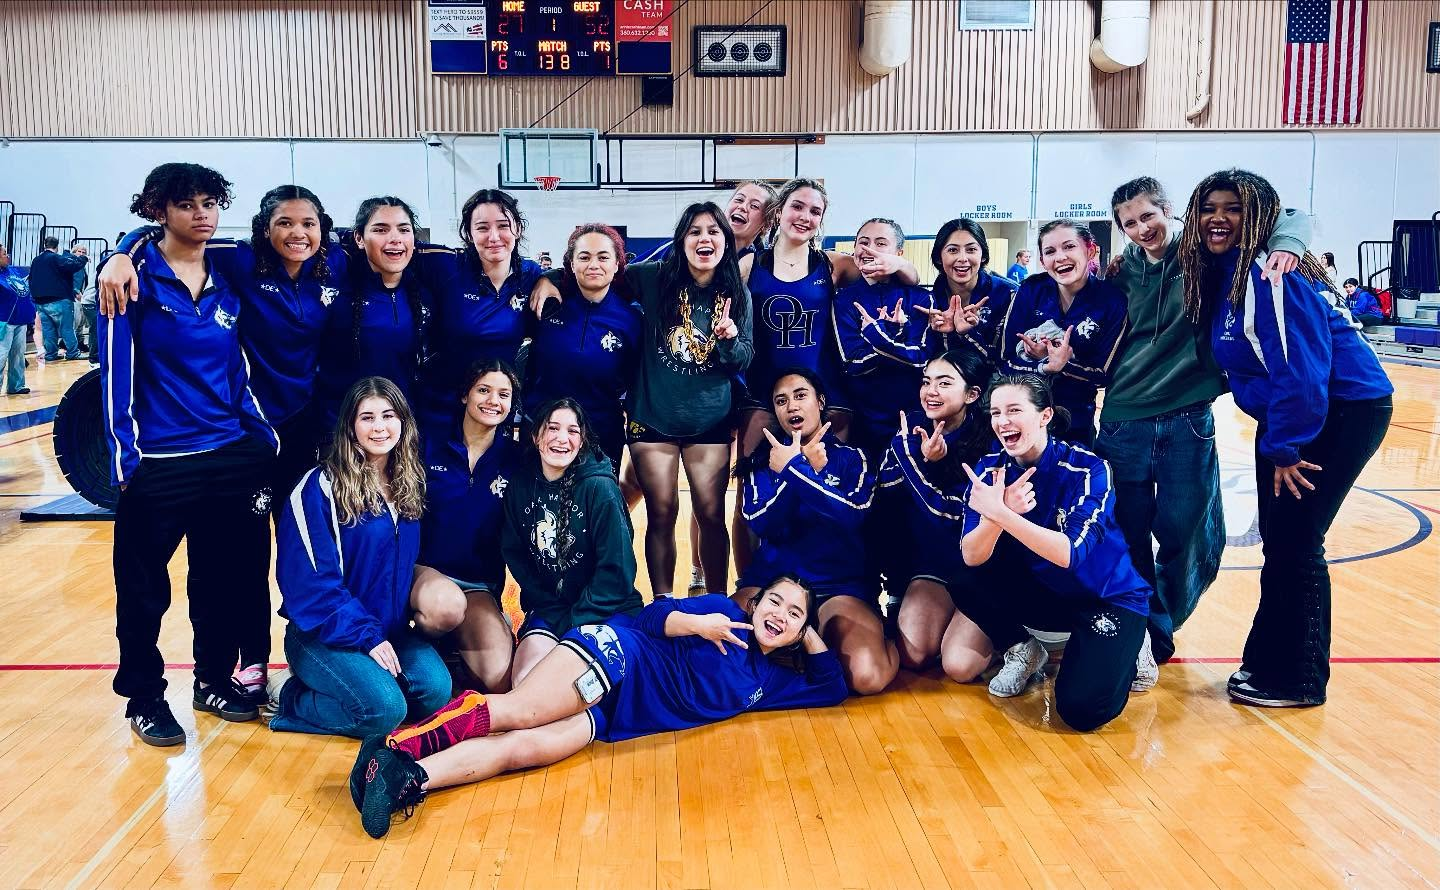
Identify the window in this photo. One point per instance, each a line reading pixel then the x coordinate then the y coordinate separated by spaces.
pixel 993 15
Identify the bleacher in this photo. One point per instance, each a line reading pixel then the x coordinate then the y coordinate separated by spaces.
pixel 1406 269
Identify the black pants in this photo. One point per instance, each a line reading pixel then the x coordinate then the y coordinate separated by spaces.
pixel 1288 650
pixel 1093 683
pixel 219 503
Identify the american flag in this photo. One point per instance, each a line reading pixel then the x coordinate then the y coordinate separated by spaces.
pixel 1324 61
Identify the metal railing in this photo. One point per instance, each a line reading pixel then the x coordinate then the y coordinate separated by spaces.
pixel 22 242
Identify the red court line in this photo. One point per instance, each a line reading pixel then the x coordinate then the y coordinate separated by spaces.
pixel 1423 507
pixel 102 666
pixel 1414 430
pixel 26 439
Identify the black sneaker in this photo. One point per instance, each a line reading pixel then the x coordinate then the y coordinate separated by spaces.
pixel 394 782
pixel 1247 694
pixel 226 700
pixel 1240 676
pixel 153 722
pixel 362 762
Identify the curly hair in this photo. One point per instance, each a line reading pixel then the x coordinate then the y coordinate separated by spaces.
pixel 175 182
pixel 356 487
pixel 1259 210
pixel 267 261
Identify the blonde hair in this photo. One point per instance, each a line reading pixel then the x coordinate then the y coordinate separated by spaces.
pixel 772 207
pixel 356 487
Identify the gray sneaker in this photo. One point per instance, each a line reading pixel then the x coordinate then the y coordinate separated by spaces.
pixel 273 684
pixel 1023 662
pixel 1147 672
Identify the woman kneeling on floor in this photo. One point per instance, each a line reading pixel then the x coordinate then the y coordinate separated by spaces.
pixel 676 665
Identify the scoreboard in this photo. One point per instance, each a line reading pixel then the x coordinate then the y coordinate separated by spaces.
pixel 537 38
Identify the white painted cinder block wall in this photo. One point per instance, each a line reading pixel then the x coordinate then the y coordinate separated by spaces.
pixel 1353 184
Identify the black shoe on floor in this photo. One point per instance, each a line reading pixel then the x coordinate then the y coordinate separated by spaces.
pixel 1246 694
pixel 22 391
pixel 1240 676
pixel 362 762
pixel 226 700
pixel 394 783
pixel 153 722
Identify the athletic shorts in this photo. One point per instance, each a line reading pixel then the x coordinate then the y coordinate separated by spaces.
pixel 601 650
pixel 470 586
pixel 534 624
pixel 719 434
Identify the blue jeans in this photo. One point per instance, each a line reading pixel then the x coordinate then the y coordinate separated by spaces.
pixel 59 314
pixel 345 692
pixel 1166 474
pixel 12 355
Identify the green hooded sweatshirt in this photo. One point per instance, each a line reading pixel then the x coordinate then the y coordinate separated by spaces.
pixel 569 544
pixel 1165 361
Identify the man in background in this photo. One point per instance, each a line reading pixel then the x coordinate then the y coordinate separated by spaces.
pixel 88 295
pixel 16 314
pixel 52 287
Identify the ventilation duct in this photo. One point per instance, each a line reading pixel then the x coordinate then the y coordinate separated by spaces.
pixel 1124 39
pixel 885 36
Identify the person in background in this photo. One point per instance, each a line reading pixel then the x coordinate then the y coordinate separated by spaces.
pixel 52 288
pixel 16 314
pixel 1364 308
pixel 1330 272
pixel 87 292
pixel 546 264
pixel 1020 268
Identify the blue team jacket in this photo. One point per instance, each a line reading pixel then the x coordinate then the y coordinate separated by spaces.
pixel 986 335
pixel 884 361
pixel 673 683
pixel 1288 352
pixel 388 343
pixel 1098 314
pixel 1363 302
pixel 345 585
pixel 1074 496
pixel 589 352
pixel 15 305
pixel 465 507
pixel 175 380
pixel 809 523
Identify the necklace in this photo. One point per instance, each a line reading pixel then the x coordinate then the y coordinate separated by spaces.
pixel 699 347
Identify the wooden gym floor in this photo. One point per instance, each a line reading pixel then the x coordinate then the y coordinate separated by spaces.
pixel 928 785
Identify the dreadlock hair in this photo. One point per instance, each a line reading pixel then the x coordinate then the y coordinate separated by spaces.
pixel 267 261
pixel 409 280
pixel 356 489
pixel 508 206
pixel 569 284
pixel 1259 210
pixel 760 457
pixel 795 185
pixel 1037 389
pixel 793 655
pixel 975 372
pixel 937 250
pixel 675 272
pixel 589 450
pixel 175 182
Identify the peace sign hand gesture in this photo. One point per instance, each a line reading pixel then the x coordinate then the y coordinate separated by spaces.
pixel 967 318
pixel 942 321
pixel 719 629
pixel 897 315
pixel 723 327
pixel 987 499
pixel 781 455
pixel 933 445
pixel 815 451
pixel 1059 353
pixel 1020 494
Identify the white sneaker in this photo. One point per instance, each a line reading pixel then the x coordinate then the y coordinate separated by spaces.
pixel 1147 672
pixel 273 684
pixel 1023 662
pixel 697 581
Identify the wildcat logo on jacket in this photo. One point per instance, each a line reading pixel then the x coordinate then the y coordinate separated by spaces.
pixel 224 319
pixel 498 486
pixel 328 295
pixel 260 502
pixel 517 303
pixel 609 342
pixel 551 541
pixel 1087 328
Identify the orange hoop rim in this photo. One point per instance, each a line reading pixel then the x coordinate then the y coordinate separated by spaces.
pixel 548 183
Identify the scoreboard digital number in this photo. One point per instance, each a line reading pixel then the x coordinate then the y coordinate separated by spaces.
pixel 538 38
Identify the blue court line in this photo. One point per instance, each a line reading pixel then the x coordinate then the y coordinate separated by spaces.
pixel 14 423
pixel 1425 527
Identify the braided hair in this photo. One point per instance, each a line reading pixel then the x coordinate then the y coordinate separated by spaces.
pixel 589 450
pixel 266 259
pixel 410 280
pixel 1259 210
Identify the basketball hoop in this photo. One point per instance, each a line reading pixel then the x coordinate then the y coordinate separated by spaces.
pixel 548 183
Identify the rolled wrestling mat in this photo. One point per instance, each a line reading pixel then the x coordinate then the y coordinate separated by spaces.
pixel 81 449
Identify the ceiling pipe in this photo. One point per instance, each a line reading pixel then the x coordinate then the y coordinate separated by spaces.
pixel 1207 61
pixel 1124 39
pixel 885 36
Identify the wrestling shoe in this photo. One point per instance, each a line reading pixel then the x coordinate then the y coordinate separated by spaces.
pixel 393 782
pixel 1147 672
pixel 1023 662
pixel 467 716
pixel 362 762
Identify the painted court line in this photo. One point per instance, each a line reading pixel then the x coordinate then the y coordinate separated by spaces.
pixel 161 792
